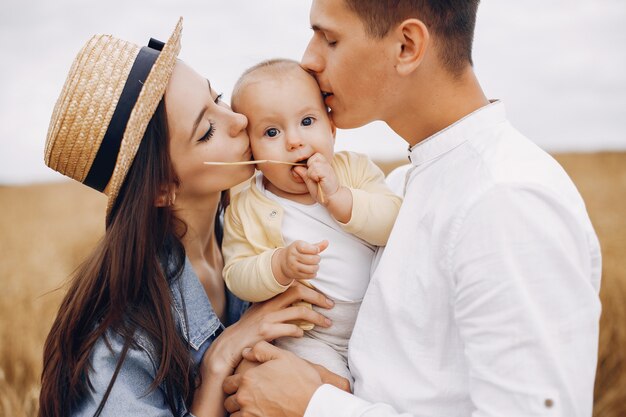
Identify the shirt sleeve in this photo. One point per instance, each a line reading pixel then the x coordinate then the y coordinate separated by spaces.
pixel 247 273
pixel 374 206
pixel 524 304
pixel 330 401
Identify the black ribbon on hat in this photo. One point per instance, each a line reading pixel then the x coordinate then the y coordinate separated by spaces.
pixel 103 164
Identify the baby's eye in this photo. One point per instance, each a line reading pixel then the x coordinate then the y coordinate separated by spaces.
pixel 307 121
pixel 272 132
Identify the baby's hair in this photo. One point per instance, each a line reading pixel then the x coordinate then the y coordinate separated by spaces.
pixel 274 68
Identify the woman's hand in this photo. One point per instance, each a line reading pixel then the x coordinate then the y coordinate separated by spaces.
pixel 267 321
pixel 264 321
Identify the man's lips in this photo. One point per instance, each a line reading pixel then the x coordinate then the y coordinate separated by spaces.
pixel 327 97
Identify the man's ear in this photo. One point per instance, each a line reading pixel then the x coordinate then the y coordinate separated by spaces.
pixel 412 40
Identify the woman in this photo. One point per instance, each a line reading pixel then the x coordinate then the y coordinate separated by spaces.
pixel 142 329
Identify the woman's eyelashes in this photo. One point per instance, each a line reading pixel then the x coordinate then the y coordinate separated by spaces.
pixel 209 133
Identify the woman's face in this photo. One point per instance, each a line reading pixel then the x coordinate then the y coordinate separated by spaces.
pixel 203 128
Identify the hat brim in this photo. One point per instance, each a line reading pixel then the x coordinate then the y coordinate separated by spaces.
pixel 151 94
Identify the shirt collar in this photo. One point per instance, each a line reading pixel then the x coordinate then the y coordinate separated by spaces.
pixel 457 133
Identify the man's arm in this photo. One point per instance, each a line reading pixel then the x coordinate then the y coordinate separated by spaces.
pixel 262 391
pixel 524 303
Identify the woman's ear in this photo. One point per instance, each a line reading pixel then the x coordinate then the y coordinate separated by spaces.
pixel 166 197
pixel 412 40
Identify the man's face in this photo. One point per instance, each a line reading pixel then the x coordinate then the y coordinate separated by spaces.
pixel 350 66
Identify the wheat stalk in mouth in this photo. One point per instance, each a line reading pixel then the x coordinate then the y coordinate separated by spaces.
pixel 320 192
pixel 262 161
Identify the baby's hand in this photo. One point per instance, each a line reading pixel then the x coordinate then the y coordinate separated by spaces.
pixel 319 171
pixel 300 260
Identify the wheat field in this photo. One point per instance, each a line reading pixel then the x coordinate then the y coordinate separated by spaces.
pixel 47 230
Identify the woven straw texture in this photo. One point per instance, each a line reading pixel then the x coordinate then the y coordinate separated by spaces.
pixel 88 99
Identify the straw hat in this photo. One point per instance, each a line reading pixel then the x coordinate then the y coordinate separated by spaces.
pixel 102 113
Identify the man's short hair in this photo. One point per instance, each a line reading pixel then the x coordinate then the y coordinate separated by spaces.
pixel 451 22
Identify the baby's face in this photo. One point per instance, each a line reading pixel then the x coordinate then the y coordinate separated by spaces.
pixel 287 121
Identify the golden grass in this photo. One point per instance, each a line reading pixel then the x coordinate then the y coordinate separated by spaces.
pixel 47 230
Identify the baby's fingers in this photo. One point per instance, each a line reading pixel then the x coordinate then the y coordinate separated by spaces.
pixel 306 259
pixel 306 271
pixel 307 248
pixel 321 246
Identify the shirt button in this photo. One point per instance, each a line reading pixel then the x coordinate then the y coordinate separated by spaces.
pixel 549 403
pixel 273 213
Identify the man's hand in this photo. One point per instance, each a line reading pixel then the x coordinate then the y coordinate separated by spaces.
pixel 281 386
pixel 332 378
pixel 300 260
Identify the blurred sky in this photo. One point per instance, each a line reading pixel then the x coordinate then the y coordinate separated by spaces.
pixel 559 65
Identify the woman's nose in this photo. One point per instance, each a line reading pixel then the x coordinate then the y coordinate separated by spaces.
pixel 239 123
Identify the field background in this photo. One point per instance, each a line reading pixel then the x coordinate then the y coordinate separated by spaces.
pixel 47 230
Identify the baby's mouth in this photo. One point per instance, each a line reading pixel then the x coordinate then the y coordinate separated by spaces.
pixel 293 168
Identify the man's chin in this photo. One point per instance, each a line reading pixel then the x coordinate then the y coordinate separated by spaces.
pixel 342 120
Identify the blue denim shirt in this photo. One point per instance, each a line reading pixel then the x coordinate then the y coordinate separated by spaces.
pixel 129 395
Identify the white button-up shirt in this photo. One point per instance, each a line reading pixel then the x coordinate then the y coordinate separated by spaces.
pixel 485 300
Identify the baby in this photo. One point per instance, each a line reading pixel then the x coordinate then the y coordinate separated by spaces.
pixel 278 229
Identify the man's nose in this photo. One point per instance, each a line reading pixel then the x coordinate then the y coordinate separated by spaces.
pixel 311 60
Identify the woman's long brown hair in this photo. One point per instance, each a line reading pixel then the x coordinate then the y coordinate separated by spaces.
pixel 124 286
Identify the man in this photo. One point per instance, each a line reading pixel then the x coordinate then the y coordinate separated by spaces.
pixel 485 300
